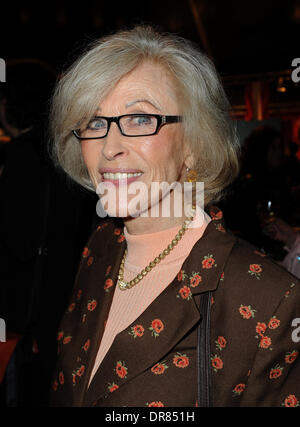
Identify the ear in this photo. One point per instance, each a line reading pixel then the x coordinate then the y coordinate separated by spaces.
pixel 188 157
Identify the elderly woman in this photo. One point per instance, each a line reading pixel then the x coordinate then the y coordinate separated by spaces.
pixel 167 309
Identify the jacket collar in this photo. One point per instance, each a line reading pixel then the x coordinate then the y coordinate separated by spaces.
pixel 209 255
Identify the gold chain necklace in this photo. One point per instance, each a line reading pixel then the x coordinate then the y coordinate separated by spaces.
pixel 123 285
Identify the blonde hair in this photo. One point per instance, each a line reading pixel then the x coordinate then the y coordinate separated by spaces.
pixel 207 126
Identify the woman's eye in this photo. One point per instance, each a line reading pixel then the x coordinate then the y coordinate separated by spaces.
pixel 97 124
pixel 141 120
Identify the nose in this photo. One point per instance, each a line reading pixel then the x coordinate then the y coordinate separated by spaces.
pixel 113 145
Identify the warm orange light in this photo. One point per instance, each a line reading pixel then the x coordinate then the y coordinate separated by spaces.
pixel 280 85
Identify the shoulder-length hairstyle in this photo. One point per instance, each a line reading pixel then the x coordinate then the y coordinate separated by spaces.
pixel 207 126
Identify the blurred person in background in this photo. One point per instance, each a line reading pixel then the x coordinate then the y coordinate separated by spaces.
pixel 283 232
pixel 44 221
pixel 262 188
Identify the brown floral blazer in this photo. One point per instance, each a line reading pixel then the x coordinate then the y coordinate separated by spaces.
pixel 254 345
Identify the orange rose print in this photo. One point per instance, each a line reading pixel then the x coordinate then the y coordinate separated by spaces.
pixel 238 389
pixel 246 311
pixel 157 403
pixel 112 387
pixel 181 360
pixel 92 304
pixel 291 357
pixel 181 275
pixel 85 252
pixel 60 335
pixel 208 262
pixel 74 378
pixel 220 228
pixel 273 323
pixel 90 261
pixel 261 328
pixel 61 378
pixel 215 216
pixel 195 280
pixel 86 345
pixel 221 343
pixel 137 331
pixel 265 342
pixel 77 373
pixel 121 369
pixel 156 327
pixel 80 371
pixel 291 401
pixel 79 293
pixel 275 372
pixel 185 293
pixel 100 227
pixel 108 284
pixel 259 253
pixel 71 307
pixel 217 363
pixel 67 339
pixel 159 368
pixel 255 270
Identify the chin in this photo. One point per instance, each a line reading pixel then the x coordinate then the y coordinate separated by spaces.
pixel 122 208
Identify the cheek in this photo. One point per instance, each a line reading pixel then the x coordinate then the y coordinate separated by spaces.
pixel 90 154
pixel 164 153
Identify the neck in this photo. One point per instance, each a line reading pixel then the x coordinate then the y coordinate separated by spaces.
pixel 148 223
pixel 143 225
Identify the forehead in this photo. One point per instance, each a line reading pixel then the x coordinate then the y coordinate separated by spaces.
pixel 146 72
pixel 150 81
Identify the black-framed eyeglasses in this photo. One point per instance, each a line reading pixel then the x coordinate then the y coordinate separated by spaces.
pixel 129 125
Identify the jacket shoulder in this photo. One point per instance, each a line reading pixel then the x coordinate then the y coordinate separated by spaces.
pixel 103 234
pixel 252 279
pixel 258 269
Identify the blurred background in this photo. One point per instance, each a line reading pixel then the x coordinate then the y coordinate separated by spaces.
pixel 45 219
pixel 252 43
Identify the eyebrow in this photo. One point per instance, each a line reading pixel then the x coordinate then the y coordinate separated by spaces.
pixel 142 100
pixel 136 101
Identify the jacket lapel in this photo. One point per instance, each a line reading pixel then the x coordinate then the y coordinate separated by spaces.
pixel 205 265
pixel 145 342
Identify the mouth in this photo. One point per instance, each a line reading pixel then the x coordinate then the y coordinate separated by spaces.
pixel 118 177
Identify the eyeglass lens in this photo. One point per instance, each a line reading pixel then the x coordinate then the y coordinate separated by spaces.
pixel 137 125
